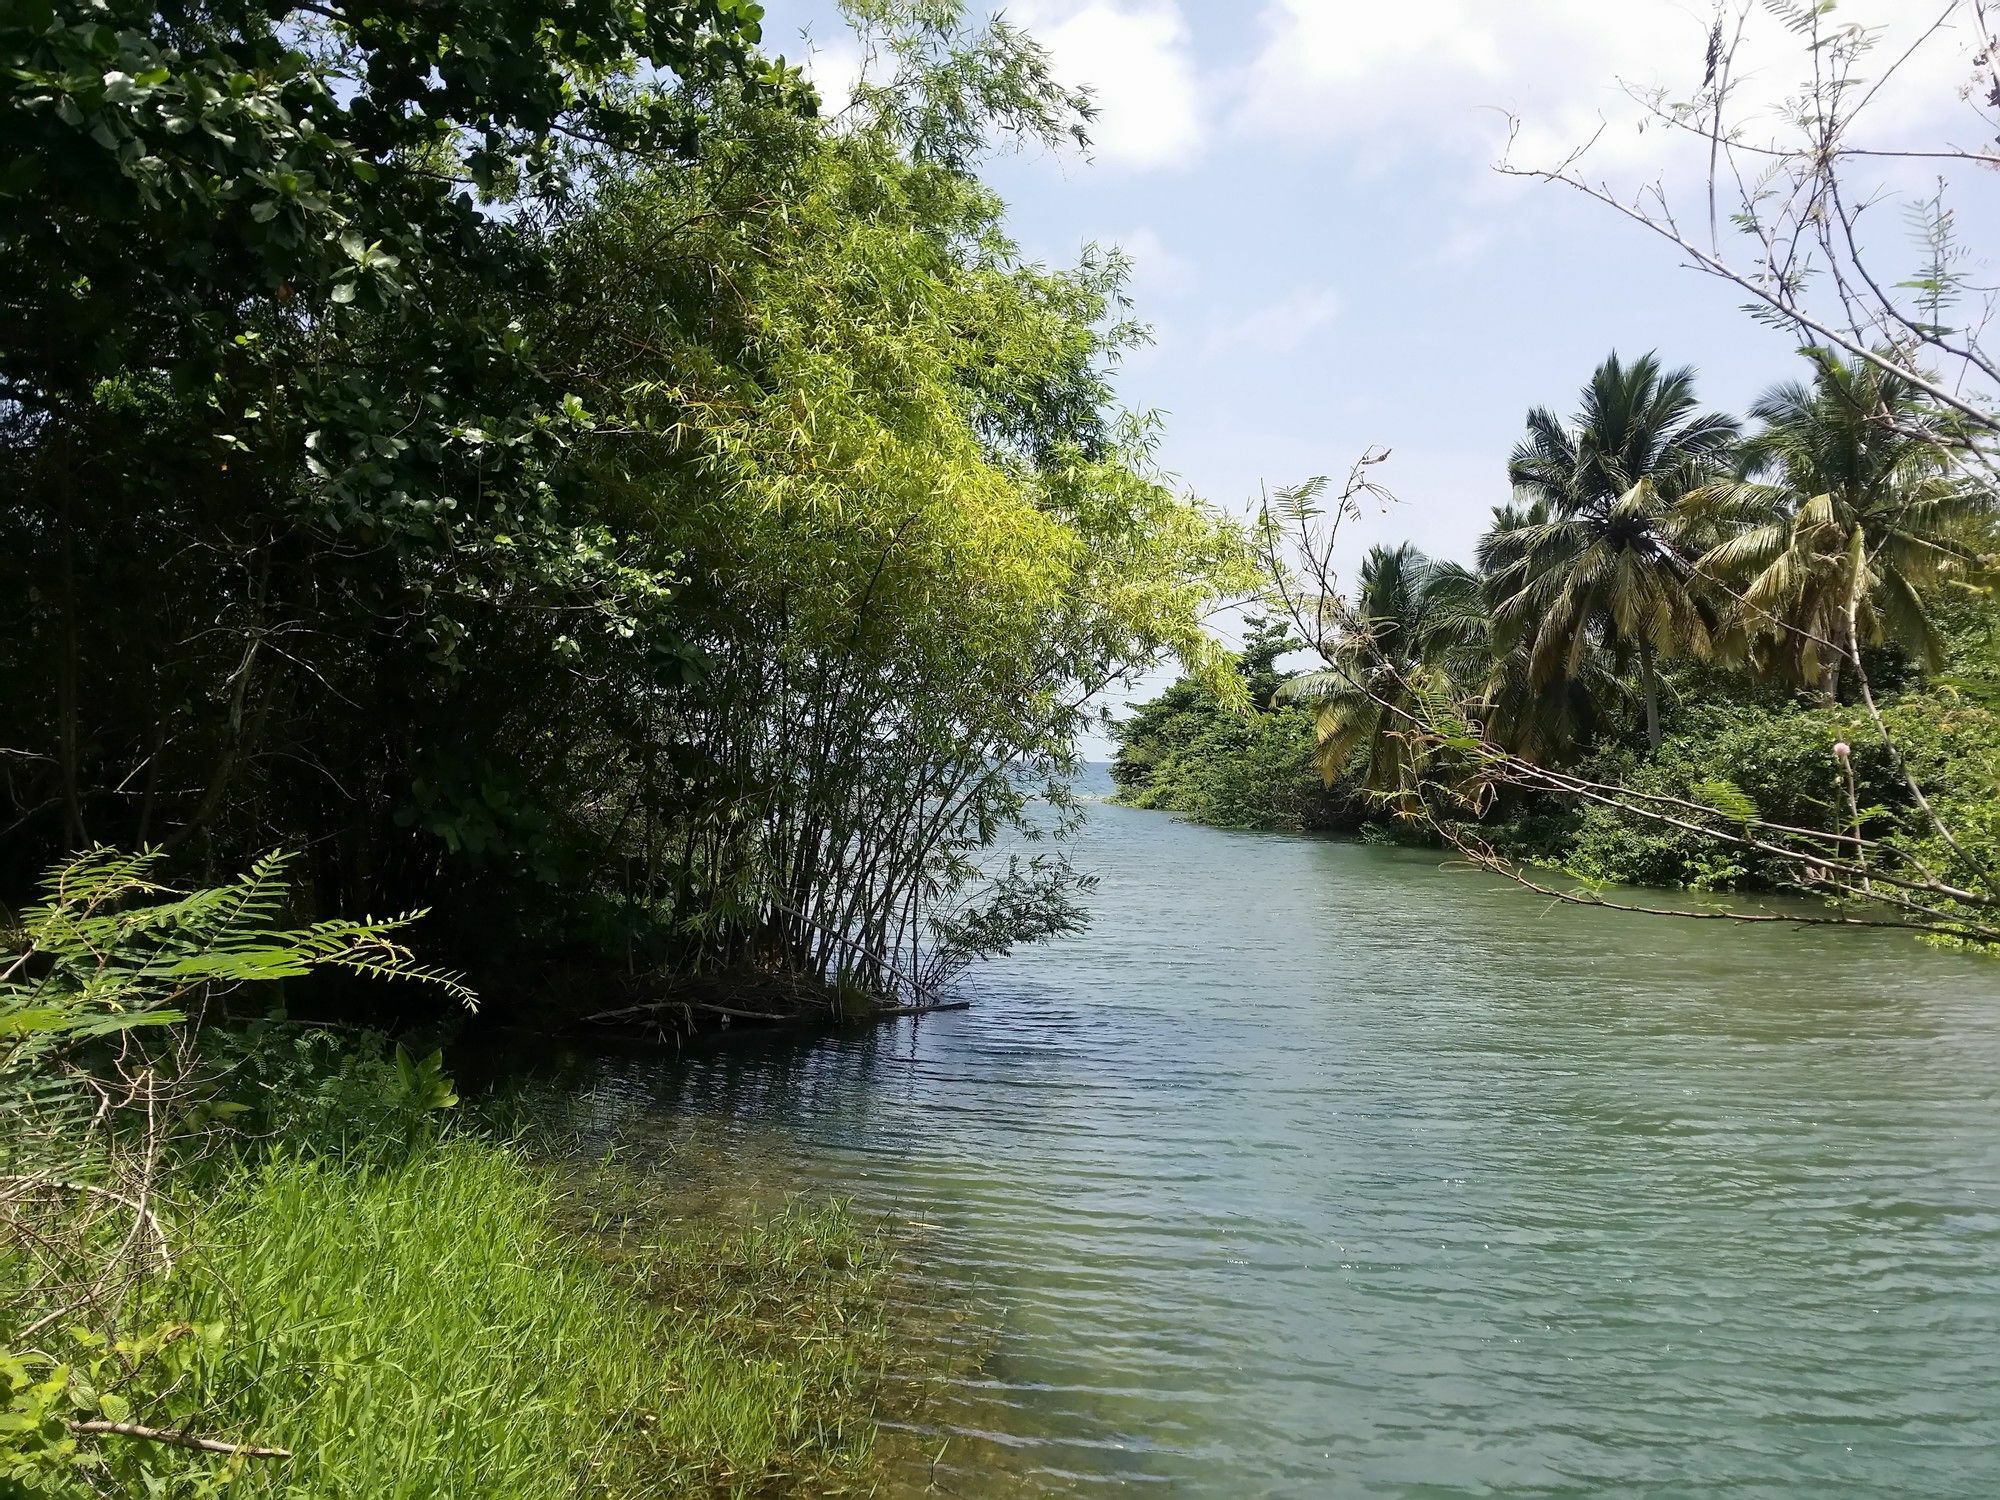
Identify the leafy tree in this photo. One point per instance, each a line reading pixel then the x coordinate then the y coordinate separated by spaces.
pixel 570 486
pixel 1224 760
pixel 272 437
pixel 1610 562
pixel 1846 515
pixel 912 534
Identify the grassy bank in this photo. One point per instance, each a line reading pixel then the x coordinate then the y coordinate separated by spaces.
pixel 450 1326
pixel 468 1322
pixel 260 1235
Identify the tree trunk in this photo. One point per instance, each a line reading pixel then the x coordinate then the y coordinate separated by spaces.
pixel 67 710
pixel 1842 642
pixel 1650 680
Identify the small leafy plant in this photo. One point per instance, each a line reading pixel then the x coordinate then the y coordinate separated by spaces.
pixel 99 1085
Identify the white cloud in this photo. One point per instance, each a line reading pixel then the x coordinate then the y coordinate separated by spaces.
pixel 1282 327
pixel 834 71
pixel 1134 57
pixel 1158 271
pixel 1381 82
pixel 1466 243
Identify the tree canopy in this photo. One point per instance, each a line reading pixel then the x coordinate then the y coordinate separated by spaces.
pixel 529 462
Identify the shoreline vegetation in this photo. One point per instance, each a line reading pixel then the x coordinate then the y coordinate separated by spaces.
pixel 539 468
pixel 665 533
pixel 541 471
pixel 1668 635
pixel 469 1320
pixel 270 1258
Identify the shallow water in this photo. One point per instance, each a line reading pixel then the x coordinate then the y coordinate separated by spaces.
pixel 1314 1169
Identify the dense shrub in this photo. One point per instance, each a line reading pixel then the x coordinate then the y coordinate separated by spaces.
pixel 1231 762
pixel 1781 760
pixel 1236 770
pixel 1951 745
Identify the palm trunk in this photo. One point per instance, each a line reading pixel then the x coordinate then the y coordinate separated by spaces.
pixel 1835 653
pixel 1842 641
pixel 1650 681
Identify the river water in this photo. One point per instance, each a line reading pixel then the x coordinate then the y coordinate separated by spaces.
pixel 1314 1169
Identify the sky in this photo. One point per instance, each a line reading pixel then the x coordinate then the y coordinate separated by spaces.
pixel 1323 247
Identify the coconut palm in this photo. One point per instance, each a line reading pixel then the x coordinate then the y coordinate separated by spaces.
pixel 1542 721
pixel 1609 564
pixel 1845 513
pixel 1416 627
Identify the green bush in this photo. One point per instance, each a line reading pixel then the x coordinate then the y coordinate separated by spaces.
pixel 1951 745
pixel 1236 770
pixel 1781 761
pixel 1247 764
pixel 347 1093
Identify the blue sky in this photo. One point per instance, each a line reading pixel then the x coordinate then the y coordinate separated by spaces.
pixel 1325 251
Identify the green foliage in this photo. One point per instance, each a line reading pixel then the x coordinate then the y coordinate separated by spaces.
pixel 107 961
pixel 1208 758
pixel 1778 764
pixel 583 506
pixel 273 1247
pixel 915 534
pixel 459 1324
pixel 1030 901
pixel 1236 772
pixel 278 455
pixel 1735 764
pixel 45 1397
pixel 1847 516
pixel 1950 744
pixel 1604 564
pixel 348 1094
pixel 1416 625
pixel 1654 557
pixel 109 950
pixel 453 1326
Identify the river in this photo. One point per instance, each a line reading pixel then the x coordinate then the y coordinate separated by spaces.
pixel 1314 1169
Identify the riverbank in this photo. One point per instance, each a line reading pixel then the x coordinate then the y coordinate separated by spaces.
pixel 1745 778
pixel 471 1317
pixel 267 1256
pixel 468 1321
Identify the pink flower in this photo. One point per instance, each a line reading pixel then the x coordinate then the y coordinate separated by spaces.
pixel 1840 751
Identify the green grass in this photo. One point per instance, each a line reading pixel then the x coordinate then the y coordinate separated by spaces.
pixel 465 1324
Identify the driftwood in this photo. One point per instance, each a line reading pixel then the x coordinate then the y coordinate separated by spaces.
pixel 652 1008
pixel 656 1007
pixel 176 1439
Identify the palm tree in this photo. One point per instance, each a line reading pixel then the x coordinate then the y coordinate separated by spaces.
pixel 1417 622
pixel 1844 512
pixel 1609 562
pixel 1545 721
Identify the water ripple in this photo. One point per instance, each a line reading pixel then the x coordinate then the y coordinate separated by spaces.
pixel 1314 1170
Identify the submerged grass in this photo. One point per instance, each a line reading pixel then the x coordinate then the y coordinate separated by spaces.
pixel 468 1323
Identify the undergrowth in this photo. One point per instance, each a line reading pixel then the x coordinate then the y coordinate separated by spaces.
pixel 449 1326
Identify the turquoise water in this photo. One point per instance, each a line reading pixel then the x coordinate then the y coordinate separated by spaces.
pixel 1314 1169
